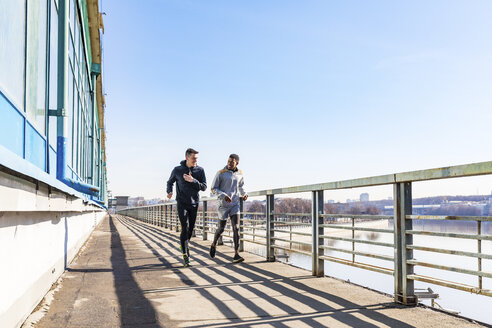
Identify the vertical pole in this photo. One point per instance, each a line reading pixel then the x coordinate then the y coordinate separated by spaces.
pixel 404 288
pixel 163 210
pixel 62 86
pixel 353 242
pixel 204 221
pixel 317 232
pixel 270 207
pixel 170 217
pixel 165 216
pixel 241 225
pixel 321 232
pixel 290 235
pixel 177 218
pixel 479 251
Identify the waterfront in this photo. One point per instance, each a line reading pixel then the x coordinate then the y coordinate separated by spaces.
pixel 468 305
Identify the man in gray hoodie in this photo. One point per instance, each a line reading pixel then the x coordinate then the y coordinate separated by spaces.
pixel 228 186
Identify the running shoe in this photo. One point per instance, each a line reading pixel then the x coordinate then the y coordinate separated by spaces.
pixel 212 251
pixel 187 250
pixel 186 260
pixel 237 259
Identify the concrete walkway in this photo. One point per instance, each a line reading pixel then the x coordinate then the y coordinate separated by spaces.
pixel 130 274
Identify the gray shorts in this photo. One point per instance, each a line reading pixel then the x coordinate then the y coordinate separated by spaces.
pixel 226 212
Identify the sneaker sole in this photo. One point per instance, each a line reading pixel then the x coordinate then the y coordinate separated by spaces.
pixel 237 261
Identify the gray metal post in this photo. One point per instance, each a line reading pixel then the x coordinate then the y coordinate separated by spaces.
pixel 170 217
pixel 317 241
pixel 270 206
pixel 241 228
pixel 404 288
pixel 165 216
pixel 177 218
pixel 204 220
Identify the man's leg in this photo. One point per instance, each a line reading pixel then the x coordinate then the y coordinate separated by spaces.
pixel 220 229
pixel 192 210
pixel 183 219
pixel 235 228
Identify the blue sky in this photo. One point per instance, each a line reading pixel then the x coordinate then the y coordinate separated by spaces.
pixel 304 91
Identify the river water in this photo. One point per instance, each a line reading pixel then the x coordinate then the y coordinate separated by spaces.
pixel 469 305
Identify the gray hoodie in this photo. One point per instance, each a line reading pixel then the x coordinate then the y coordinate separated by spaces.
pixel 227 182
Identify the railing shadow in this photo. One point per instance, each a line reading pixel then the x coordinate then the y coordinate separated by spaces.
pixel 347 312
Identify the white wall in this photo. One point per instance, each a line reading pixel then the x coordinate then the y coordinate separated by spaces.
pixel 39 236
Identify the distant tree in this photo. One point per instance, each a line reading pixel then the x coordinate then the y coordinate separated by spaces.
pixel 357 209
pixel 373 210
pixel 293 205
pixel 255 206
pixel 331 208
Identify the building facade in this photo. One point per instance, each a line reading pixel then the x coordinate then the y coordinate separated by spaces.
pixel 53 186
pixel 51 100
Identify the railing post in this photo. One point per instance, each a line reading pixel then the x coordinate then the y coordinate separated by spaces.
pixel 171 217
pixel 270 207
pixel 241 227
pixel 165 216
pixel 204 220
pixel 161 216
pixel 404 287
pixel 317 220
pixel 177 218
pixel 479 250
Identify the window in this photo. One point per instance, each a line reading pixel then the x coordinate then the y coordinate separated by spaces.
pixel 53 72
pixel 37 12
pixel 12 50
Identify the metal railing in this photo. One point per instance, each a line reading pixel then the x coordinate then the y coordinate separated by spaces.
pixel 277 231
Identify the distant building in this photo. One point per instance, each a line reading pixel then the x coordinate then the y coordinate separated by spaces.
pixel 137 201
pixel 121 202
pixel 364 197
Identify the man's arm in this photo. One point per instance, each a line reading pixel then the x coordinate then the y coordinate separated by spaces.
pixel 242 192
pixel 215 187
pixel 170 182
pixel 201 182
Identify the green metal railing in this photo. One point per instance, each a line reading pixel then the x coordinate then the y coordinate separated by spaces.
pixel 282 231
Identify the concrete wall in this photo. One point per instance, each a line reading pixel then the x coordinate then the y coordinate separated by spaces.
pixel 41 231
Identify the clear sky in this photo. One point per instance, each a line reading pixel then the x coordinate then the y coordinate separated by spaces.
pixel 304 91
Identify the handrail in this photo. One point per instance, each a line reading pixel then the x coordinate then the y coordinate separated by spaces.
pixel 165 215
pixel 457 171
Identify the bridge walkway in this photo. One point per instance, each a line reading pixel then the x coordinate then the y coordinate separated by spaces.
pixel 130 274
